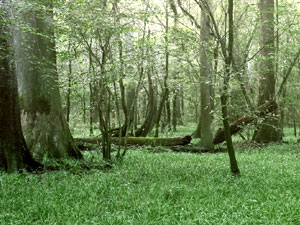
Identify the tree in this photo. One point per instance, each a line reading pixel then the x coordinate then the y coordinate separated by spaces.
pixel 224 96
pixel 206 118
pixel 227 52
pixel 45 128
pixel 268 131
pixel 14 154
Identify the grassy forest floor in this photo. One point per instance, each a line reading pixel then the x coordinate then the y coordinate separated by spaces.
pixel 162 187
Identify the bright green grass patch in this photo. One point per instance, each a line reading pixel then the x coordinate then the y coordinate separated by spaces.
pixel 162 188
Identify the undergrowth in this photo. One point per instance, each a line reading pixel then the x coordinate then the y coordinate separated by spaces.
pixel 160 188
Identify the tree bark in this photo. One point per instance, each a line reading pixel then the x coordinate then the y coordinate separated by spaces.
pixel 179 107
pixel 268 130
pixel 174 112
pixel 168 112
pixel 206 118
pixel 45 128
pixel 224 97
pixel 197 132
pixel 14 154
pixel 165 90
pixel 149 122
pixel 173 141
pixel 69 84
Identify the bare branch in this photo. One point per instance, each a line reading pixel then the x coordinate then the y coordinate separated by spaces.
pixel 287 74
pixel 188 14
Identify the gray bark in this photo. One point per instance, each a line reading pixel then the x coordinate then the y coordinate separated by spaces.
pixel 14 154
pixel 268 131
pixel 45 129
pixel 206 118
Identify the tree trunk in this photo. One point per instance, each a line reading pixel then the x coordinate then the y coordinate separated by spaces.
pixel 295 127
pixel 168 111
pixel 14 154
pixel 45 128
pixel 149 122
pixel 130 101
pixel 91 108
pixel 224 97
pixel 197 132
pixel 174 114
pixel 84 106
pixel 206 118
pixel 268 130
pixel 179 107
pixel 69 86
pixel 165 90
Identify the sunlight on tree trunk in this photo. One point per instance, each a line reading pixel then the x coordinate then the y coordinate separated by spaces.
pixel 45 128
pixel 14 154
pixel 268 130
pixel 206 117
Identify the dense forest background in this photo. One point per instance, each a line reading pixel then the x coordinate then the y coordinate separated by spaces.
pixel 142 68
pixel 153 64
pixel 126 111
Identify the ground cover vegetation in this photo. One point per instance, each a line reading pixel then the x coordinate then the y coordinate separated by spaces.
pixel 161 187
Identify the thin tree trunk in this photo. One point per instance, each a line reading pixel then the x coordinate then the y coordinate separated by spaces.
pixel 84 106
pixel 224 96
pixel 69 87
pixel 174 114
pixel 168 109
pixel 179 107
pixel 91 108
pixel 91 96
pixel 295 127
pixel 165 88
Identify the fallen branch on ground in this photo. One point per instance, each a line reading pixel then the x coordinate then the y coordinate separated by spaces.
pixel 172 141
pixel 240 123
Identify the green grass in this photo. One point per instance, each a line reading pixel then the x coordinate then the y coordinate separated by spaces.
pixel 161 188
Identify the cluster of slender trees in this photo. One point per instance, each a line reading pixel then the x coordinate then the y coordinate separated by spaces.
pixel 121 62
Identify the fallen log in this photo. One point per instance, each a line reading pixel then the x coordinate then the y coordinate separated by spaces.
pixel 172 141
pixel 240 123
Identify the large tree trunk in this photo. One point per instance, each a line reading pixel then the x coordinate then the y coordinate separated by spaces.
pixel 268 131
pixel 45 129
pixel 14 154
pixel 206 118
pixel 197 132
